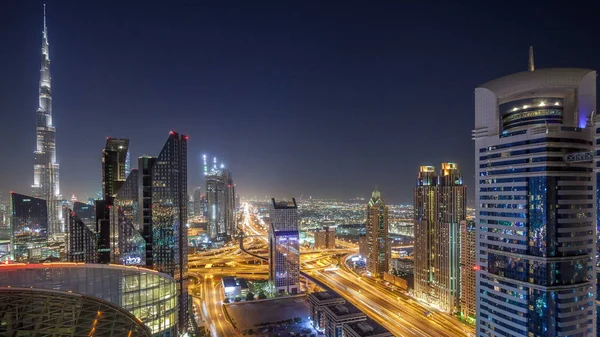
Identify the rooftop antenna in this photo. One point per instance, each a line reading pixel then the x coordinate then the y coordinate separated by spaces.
pixel 214 163
pixel 205 164
pixel 531 65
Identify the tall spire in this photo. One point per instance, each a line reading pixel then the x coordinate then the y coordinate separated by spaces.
pixel 531 65
pixel 45 169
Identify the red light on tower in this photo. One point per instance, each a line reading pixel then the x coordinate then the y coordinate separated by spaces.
pixel 171 132
pixel 185 137
pixel 476 268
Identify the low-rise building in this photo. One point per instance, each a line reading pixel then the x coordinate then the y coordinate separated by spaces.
pixel 234 287
pixel 318 301
pixel 337 315
pixel 367 328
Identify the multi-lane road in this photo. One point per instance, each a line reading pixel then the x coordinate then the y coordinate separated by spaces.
pixel 399 313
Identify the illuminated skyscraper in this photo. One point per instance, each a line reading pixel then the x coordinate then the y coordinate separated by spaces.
pixel 535 203
pixel 115 164
pixel 29 228
pixel 284 247
pixel 221 202
pixel 467 270
pixel 45 168
pixel 169 217
pixel 126 232
pixel 81 237
pixel 377 230
pixel 115 161
pixel 439 207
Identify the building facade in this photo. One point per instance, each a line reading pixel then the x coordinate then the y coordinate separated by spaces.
pixel 379 251
pixel 325 238
pixel 45 166
pixel 439 207
pixel 284 247
pixel 82 244
pixel 126 232
pixel 148 295
pixel 220 203
pixel 29 228
pixel 535 204
pixel 468 303
pixel 169 217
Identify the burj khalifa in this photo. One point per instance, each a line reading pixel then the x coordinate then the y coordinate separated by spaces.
pixel 45 167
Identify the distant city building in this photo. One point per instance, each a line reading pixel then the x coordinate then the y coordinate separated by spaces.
pixel 284 247
pixel 145 165
pixel 378 245
pixel 439 207
pixel 325 238
pixel 468 305
pixel 45 168
pixel 220 202
pixel 198 200
pixel 536 218
pixel 82 244
pixel 29 228
pixel 148 295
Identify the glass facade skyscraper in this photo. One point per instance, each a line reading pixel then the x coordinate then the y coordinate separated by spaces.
pixel 536 211
pixel 169 217
pixel 284 247
pixel 81 237
pixel 29 228
pixel 125 223
pixel 439 207
pixel 221 205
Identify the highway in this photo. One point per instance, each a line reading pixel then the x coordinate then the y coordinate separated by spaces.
pixel 399 313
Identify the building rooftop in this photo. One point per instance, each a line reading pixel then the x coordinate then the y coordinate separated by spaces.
pixel 326 295
pixel 284 204
pixel 367 328
pixel 344 309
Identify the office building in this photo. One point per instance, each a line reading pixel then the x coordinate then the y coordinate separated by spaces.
pixel 379 251
pixel 126 232
pixel 284 247
pixel 82 244
pixel 536 216
pixel 439 207
pixel 169 217
pixel 148 295
pixel 325 238
pixel 338 315
pixel 317 302
pixel 45 166
pixel 115 166
pixel 199 202
pixel 220 202
pixel 468 306
pixel 29 228
pixel 145 164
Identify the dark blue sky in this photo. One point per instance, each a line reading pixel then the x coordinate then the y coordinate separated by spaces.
pixel 321 98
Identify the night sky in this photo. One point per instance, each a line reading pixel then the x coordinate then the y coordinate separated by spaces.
pixel 313 98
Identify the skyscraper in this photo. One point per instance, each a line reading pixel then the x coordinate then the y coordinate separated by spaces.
pixel 45 168
pixel 221 202
pixel 81 237
pixel 468 307
pixel 115 162
pixel 439 207
pixel 169 217
pixel 535 203
pixel 198 202
pixel 126 231
pixel 377 230
pixel 284 247
pixel 29 228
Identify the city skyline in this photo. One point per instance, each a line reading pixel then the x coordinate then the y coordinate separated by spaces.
pixel 289 91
